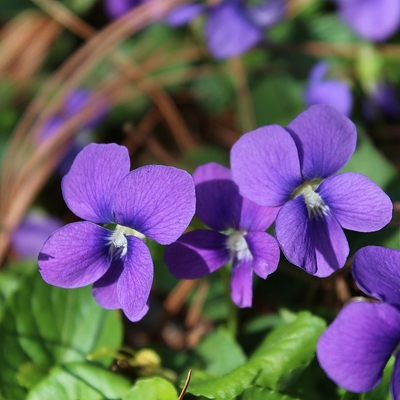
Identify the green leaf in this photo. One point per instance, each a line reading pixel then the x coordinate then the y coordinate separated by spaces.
pixel 80 381
pixel 258 393
pixel 45 325
pixel 283 354
pixel 79 6
pixel 369 161
pixel 221 353
pixel 152 389
pixel 277 100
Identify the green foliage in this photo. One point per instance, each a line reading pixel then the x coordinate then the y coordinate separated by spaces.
pixel 152 389
pixel 43 326
pixel 79 381
pixel 274 365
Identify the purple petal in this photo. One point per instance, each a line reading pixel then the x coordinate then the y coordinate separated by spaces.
pixel 377 272
pixel 51 126
pixel 371 19
pixel 220 206
pixel 356 346
pixel 118 8
pixel 76 255
pixel 157 201
pixel 325 139
pixel 242 282
pixel 229 32
pixel 317 244
pixel 218 202
pixel 267 13
pixel 265 251
pixel 105 289
pixel 77 100
pixel 357 203
pixel 333 92
pixel 35 228
pixel 90 185
pixel 265 165
pixel 134 284
pixel 382 98
pixel 183 14
pixel 196 254
pixel 395 380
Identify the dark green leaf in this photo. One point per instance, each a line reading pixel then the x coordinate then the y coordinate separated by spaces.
pixel 258 393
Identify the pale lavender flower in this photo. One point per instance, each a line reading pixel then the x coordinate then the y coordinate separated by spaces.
pixel 34 229
pixel 152 201
pixel 294 168
pixel 355 348
pixel 238 234
pixel 327 91
pixel 232 27
pixel 371 19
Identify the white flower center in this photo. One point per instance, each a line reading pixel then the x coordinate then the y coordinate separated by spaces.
pixel 237 245
pixel 118 239
pixel 315 205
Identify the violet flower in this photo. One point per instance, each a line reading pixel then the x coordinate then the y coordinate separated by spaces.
pixel 294 168
pixel 154 201
pixel 232 27
pixel 323 91
pixel 74 103
pixel 34 229
pixel 371 19
pixel 117 8
pixel 355 348
pixel 383 99
pixel 222 208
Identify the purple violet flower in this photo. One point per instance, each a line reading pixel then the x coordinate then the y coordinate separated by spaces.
pixel 74 103
pixel 355 348
pixel 382 99
pixel 154 201
pixel 371 19
pixel 34 229
pixel 232 27
pixel 222 208
pixel 322 91
pixel 294 168
pixel 117 8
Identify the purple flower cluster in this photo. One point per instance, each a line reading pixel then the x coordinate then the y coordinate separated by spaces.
pixel 355 348
pixel 232 27
pixel 282 174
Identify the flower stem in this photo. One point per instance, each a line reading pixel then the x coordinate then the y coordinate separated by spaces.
pixel 232 318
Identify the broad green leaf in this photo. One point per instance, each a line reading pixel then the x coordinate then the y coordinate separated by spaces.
pixel 152 389
pixel 221 353
pixel 283 354
pixel 45 325
pixel 80 381
pixel 258 393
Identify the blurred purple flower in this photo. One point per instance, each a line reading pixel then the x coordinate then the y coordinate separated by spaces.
pixel 222 208
pixel 117 8
pixel 355 348
pixel 232 27
pixel 371 19
pixel 382 99
pixel 35 228
pixel 294 168
pixel 322 91
pixel 73 104
pixel 154 201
